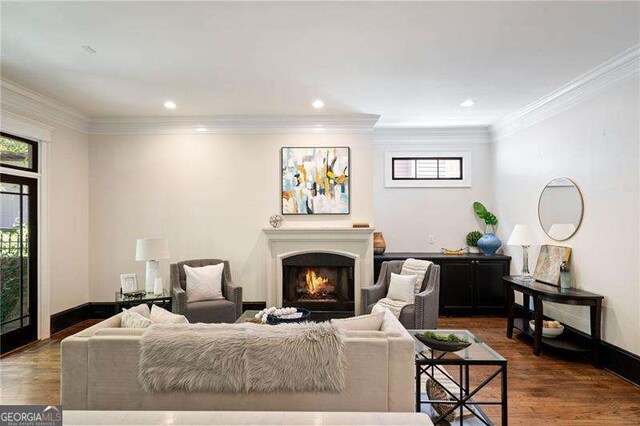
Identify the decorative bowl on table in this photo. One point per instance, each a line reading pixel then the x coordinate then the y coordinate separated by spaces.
pixel 275 316
pixel 442 342
pixel 549 328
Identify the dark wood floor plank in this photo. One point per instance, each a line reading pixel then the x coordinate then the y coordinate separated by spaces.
pixel 545 390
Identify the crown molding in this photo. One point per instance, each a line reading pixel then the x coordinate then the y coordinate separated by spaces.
pixel 19 100
pixel 618 69
pixel 353 123
pixel 431 135
pixel 18 125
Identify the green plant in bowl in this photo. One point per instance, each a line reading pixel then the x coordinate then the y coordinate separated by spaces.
pixel 451 338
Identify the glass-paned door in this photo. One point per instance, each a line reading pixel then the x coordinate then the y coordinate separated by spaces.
pixel 18 261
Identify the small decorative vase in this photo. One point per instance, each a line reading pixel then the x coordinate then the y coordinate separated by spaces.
pixel 474 250
pixel 489 243
pixel 379 245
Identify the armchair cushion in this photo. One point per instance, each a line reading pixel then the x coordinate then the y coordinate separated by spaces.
pixel 401 287
pixel 204 283
pixel 211 311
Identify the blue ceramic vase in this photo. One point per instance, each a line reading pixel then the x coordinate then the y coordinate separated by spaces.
pixel 489 243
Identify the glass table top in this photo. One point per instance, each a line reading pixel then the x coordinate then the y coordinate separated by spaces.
pixel 477 351
pixel 143 297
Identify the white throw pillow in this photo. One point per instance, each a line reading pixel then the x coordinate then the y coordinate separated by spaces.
pixel 401 287
pixel 162 316
pixel 132 319
pixel 371 322
pixel 204 283
pixel 142 309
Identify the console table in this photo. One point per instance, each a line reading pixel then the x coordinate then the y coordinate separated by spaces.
pixel 569 296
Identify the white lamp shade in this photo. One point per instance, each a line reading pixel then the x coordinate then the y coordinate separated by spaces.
pixel 562 231
pixel 152 249
pixel 522 235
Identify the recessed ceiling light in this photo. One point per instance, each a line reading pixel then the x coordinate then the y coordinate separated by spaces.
pixel 201 129
pixel 317 104
pixel 88 49
pixel 170 105
pixel 468 103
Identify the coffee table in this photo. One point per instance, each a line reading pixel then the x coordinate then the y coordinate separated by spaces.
pixel 246 315
pixel 431 363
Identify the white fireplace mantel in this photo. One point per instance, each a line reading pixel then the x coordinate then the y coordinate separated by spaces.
pixel 289 241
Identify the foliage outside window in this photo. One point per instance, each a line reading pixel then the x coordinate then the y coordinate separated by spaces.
pixel 18 153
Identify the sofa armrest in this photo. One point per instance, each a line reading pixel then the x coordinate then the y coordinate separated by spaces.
pixel 179 303
pixel 74 364
pixel 234 294
pixel 371 295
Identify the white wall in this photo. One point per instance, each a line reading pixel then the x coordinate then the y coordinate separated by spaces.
pixel 69 219
pixel 210 195
pixel 408 216
pixel 596 143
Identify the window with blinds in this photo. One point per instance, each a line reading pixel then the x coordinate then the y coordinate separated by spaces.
pixel 426 168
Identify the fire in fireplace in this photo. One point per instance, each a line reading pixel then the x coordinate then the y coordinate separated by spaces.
pixel 318 281
pixel 316 286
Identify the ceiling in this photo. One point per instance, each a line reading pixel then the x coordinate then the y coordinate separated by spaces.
pixel 412 63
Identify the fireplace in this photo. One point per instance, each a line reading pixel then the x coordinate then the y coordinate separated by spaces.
pixel 321 282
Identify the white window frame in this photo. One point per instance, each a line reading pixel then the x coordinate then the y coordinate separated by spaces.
pixel 465 182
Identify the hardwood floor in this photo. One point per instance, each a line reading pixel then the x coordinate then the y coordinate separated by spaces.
pixel 543 390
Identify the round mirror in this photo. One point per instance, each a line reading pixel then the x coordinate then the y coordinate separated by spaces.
pixel 560 209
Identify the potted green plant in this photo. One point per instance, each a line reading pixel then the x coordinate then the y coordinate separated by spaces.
pixel 489 243
pixel 472 241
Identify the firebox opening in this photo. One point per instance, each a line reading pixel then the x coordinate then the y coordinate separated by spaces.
pixel 318 281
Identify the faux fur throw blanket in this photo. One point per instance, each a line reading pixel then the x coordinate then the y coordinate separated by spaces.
pixel 242 358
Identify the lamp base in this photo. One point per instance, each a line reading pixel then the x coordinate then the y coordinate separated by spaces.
pixel 152 271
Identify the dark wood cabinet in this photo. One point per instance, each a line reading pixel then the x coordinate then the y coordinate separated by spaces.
pixel 457 295
pixel 470 284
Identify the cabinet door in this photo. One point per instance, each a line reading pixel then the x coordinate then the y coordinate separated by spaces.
pixel 456 287
pixel 490 291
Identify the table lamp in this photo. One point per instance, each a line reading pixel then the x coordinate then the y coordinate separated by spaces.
pixel 151 250
pixel 523 236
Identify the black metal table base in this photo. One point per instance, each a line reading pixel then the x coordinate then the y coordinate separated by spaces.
pixel 464 399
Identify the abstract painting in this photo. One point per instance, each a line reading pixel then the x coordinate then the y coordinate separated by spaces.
pixel 315 180
pixel 549 261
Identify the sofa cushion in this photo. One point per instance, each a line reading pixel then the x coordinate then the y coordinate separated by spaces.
pixel 204 283
pixel 211 311
pixel 142 309
pixel 162 316
pixel 132 319
pixel 371 322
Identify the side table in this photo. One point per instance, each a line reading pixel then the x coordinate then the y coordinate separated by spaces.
pixel 461 397
pixel 163 300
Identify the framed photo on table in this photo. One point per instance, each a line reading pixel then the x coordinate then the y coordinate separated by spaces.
pixel 129 283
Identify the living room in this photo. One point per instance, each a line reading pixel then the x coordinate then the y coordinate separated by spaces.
pixel 312 156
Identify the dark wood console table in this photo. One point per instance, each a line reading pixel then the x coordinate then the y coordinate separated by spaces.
pixel 568 296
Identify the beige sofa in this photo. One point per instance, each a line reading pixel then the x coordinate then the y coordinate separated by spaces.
pixel 100 369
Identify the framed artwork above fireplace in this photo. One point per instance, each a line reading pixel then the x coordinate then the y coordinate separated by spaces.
pixel 315 180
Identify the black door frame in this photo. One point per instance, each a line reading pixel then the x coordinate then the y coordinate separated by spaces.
pixel 24 335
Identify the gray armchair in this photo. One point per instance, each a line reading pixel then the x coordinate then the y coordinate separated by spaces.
pixel 421 315
pixel 210 311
